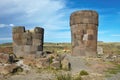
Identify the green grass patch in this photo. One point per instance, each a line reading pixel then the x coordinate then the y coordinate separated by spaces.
pixel 114 70
pixel 61 76
pixel 83 72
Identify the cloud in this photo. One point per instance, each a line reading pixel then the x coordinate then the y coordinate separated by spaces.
pixel 49 14
pixel 52 15
pixel 102 32
pixel 2 39
pixel 116 35
pixel 6 25
pixel 34 12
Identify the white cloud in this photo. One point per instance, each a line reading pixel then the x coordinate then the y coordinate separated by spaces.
pixel 102 32
pixel 49 14
pixel 1 39
pixel 116 35
pixel 6 25
pixel 53 15
pixel 39 12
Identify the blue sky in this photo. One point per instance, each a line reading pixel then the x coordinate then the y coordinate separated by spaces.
pixel 53 16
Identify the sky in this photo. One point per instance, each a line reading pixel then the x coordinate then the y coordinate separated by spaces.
pixel 54 17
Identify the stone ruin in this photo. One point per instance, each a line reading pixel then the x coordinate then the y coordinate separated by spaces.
pixel 26 41
pixel 84 28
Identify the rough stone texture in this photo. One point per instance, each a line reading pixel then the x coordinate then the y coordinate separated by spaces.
pixel 84 32
pixel 7 68
pixel 4 58
pixel 65 64
pixel 100 50
pixel 27 42
pixel 55 65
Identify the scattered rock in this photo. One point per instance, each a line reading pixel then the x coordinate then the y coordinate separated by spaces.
pixel 7 68
pixel 65 64
pixel 44 62
pixel 38 64
pixel 23 66
pixel 56 65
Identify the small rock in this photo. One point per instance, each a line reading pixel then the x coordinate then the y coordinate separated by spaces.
pixel 44 62
pixel 55 65
pixel 65 64
pixel 38 64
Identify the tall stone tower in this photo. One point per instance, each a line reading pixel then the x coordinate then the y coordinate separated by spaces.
pixel 27 42
pixel 84 28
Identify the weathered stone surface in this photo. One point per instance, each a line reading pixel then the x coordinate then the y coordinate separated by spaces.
pixel 85 16
pixel 22 65
pixel 84 32
pixel 39 54
pixel 4 58
pixel 39 64
pixel 100 50
pixel 65 64
pixel 56 65
pixel 25 41
pixel 44 62
pixel 7 68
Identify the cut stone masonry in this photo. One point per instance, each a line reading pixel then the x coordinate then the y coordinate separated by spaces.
pixel 26 41
pixel 84 28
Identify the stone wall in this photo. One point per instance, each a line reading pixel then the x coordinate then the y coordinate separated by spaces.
pixel 27 42
pixel 84 32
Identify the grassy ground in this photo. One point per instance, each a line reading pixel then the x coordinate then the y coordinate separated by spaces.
pixel 109 48
pixel 57 47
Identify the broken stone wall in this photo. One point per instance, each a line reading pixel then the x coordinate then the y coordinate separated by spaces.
pixel 84 28
pixel 27 42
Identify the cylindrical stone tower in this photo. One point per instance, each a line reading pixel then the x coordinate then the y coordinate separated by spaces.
pixel 84 28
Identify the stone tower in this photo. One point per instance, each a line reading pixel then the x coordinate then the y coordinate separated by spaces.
pixel 84 28
pixel 26 41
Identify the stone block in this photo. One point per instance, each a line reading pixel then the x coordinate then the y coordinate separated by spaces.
pixel 39 54
pixel 27 48
pixel 56 65
pixel 18 29
pixel 81 17
pixel 39 30
pixel 90 31
pixel 37 36
pixel 17 37
pixel 37 42
pixel 90 37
